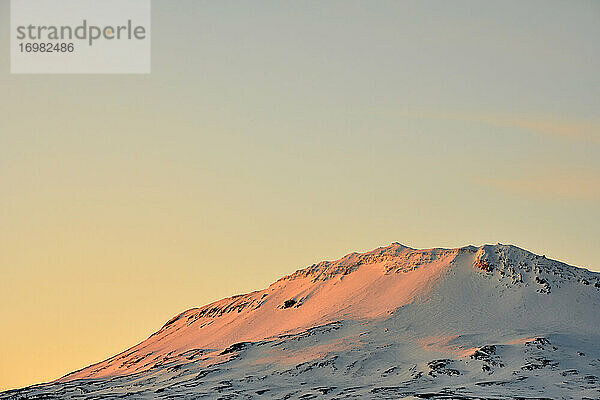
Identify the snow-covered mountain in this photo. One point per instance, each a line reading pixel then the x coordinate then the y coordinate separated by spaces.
pixel 494 322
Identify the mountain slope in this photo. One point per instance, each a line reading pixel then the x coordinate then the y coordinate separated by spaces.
pixel 494 322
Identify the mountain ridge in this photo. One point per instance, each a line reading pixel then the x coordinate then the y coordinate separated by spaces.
pixel 508 261
pixel 391 322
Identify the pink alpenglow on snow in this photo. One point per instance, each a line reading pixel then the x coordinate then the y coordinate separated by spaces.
pixel 358 286
pixel 491 321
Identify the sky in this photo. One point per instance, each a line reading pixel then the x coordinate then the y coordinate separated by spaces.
pixel 274 134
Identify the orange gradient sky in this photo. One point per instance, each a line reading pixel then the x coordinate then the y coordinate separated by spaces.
pixel 271 135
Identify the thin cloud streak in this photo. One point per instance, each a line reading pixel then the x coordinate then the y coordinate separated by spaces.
pixel 574 130
pixel 586 131
pixel 570 187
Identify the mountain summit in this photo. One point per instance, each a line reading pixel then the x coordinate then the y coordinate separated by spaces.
pixel 475 322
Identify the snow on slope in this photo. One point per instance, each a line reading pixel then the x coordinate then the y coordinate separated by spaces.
pixel 329 291
pixel 489 322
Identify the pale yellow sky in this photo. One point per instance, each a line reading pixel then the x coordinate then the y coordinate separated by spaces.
pixel 272 135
